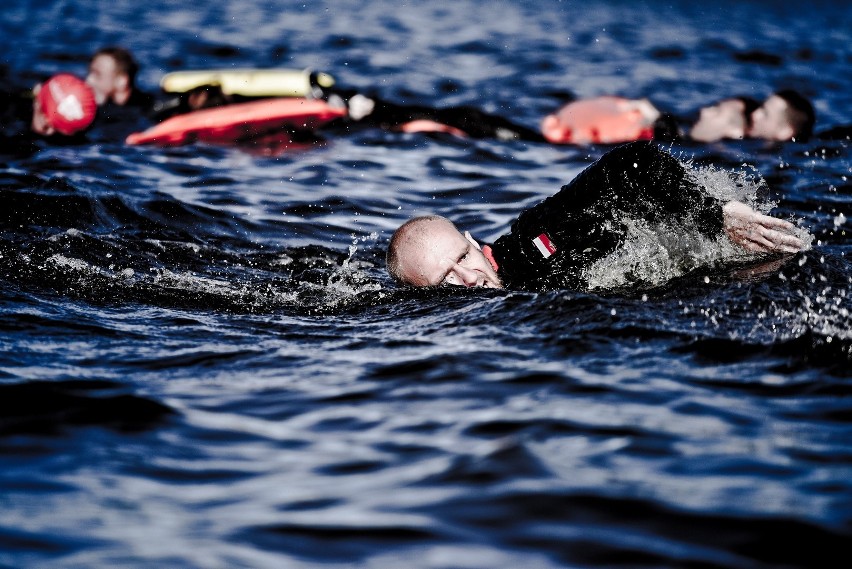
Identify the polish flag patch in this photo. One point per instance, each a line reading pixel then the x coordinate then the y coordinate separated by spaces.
pixel 545 247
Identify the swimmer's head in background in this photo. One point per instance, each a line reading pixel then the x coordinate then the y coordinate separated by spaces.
pixel 64 104
pixel 725 119
pixel 112 75
pixel 784 115
pixel 750 105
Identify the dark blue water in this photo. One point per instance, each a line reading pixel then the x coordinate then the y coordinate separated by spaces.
pixel 204 364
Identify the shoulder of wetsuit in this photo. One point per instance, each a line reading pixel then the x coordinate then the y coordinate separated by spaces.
pixel 641 179
pixel 16 93
pixel 667 128
pixel 841 132
pixel 76 139
pixel 669 186
pixel 180 103
pixel 617 173
pixel 16 116
pixel 16 103
pixel 577 221
pixel 166 107
pixel 22 143
pixel 388 114
pixel 141 100
pixel 480 124
pixel 8 98
pixel 342 93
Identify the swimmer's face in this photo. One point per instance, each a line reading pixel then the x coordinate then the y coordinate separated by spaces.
pixel 104 78
pixel 769 120
pixel 725 119
pixel 440 255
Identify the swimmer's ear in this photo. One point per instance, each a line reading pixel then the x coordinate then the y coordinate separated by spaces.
pixel 470 238
pixel 122 81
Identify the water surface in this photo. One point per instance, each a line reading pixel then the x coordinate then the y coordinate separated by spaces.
pixel 204 363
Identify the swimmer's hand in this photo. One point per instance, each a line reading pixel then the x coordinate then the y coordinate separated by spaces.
pixel 760 233
pixel 360 106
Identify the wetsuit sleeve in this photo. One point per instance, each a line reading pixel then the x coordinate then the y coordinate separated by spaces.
pixel 479 124
pixel 585 221
pixel 390 115
pixel 16 107
pixel 667 128
pixel 475 123
pixel 16 114
pixel 141 100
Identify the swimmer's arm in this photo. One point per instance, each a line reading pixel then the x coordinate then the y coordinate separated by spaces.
pixel 759 233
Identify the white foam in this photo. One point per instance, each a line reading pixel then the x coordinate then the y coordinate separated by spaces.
pixel 654 254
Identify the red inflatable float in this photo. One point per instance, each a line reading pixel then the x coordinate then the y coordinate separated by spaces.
pixel 239 122
pixel 601 120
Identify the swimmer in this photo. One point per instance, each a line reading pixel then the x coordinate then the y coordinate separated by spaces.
pixel 112 76
pixel 552 244
pixel 613 120
pixel 784 115
pixel 726 119
pixel 462 121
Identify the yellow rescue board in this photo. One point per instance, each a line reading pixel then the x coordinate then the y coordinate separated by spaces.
pixel 249 82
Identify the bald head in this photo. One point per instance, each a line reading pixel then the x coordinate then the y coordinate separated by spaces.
pixel 430 251
pixel 408 243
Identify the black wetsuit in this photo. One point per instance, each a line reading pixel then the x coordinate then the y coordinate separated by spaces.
pixel 840 132
pixel 114 122
pixel 139 103
pixel 474 122
pixel 16 109
pixel 583 221
pixel 201 97
pixel 16 135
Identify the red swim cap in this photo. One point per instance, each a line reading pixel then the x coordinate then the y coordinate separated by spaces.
pixel 68 103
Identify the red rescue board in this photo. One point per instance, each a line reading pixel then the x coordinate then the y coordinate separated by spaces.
pixel 239 122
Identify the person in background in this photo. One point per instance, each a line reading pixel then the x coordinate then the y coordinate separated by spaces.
pixel 461 121
pixel 112 76
pixel 784 115
pixel 726 119
pixel 614 120
pixel 553 244
pixel 58 111
pixel 122 107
